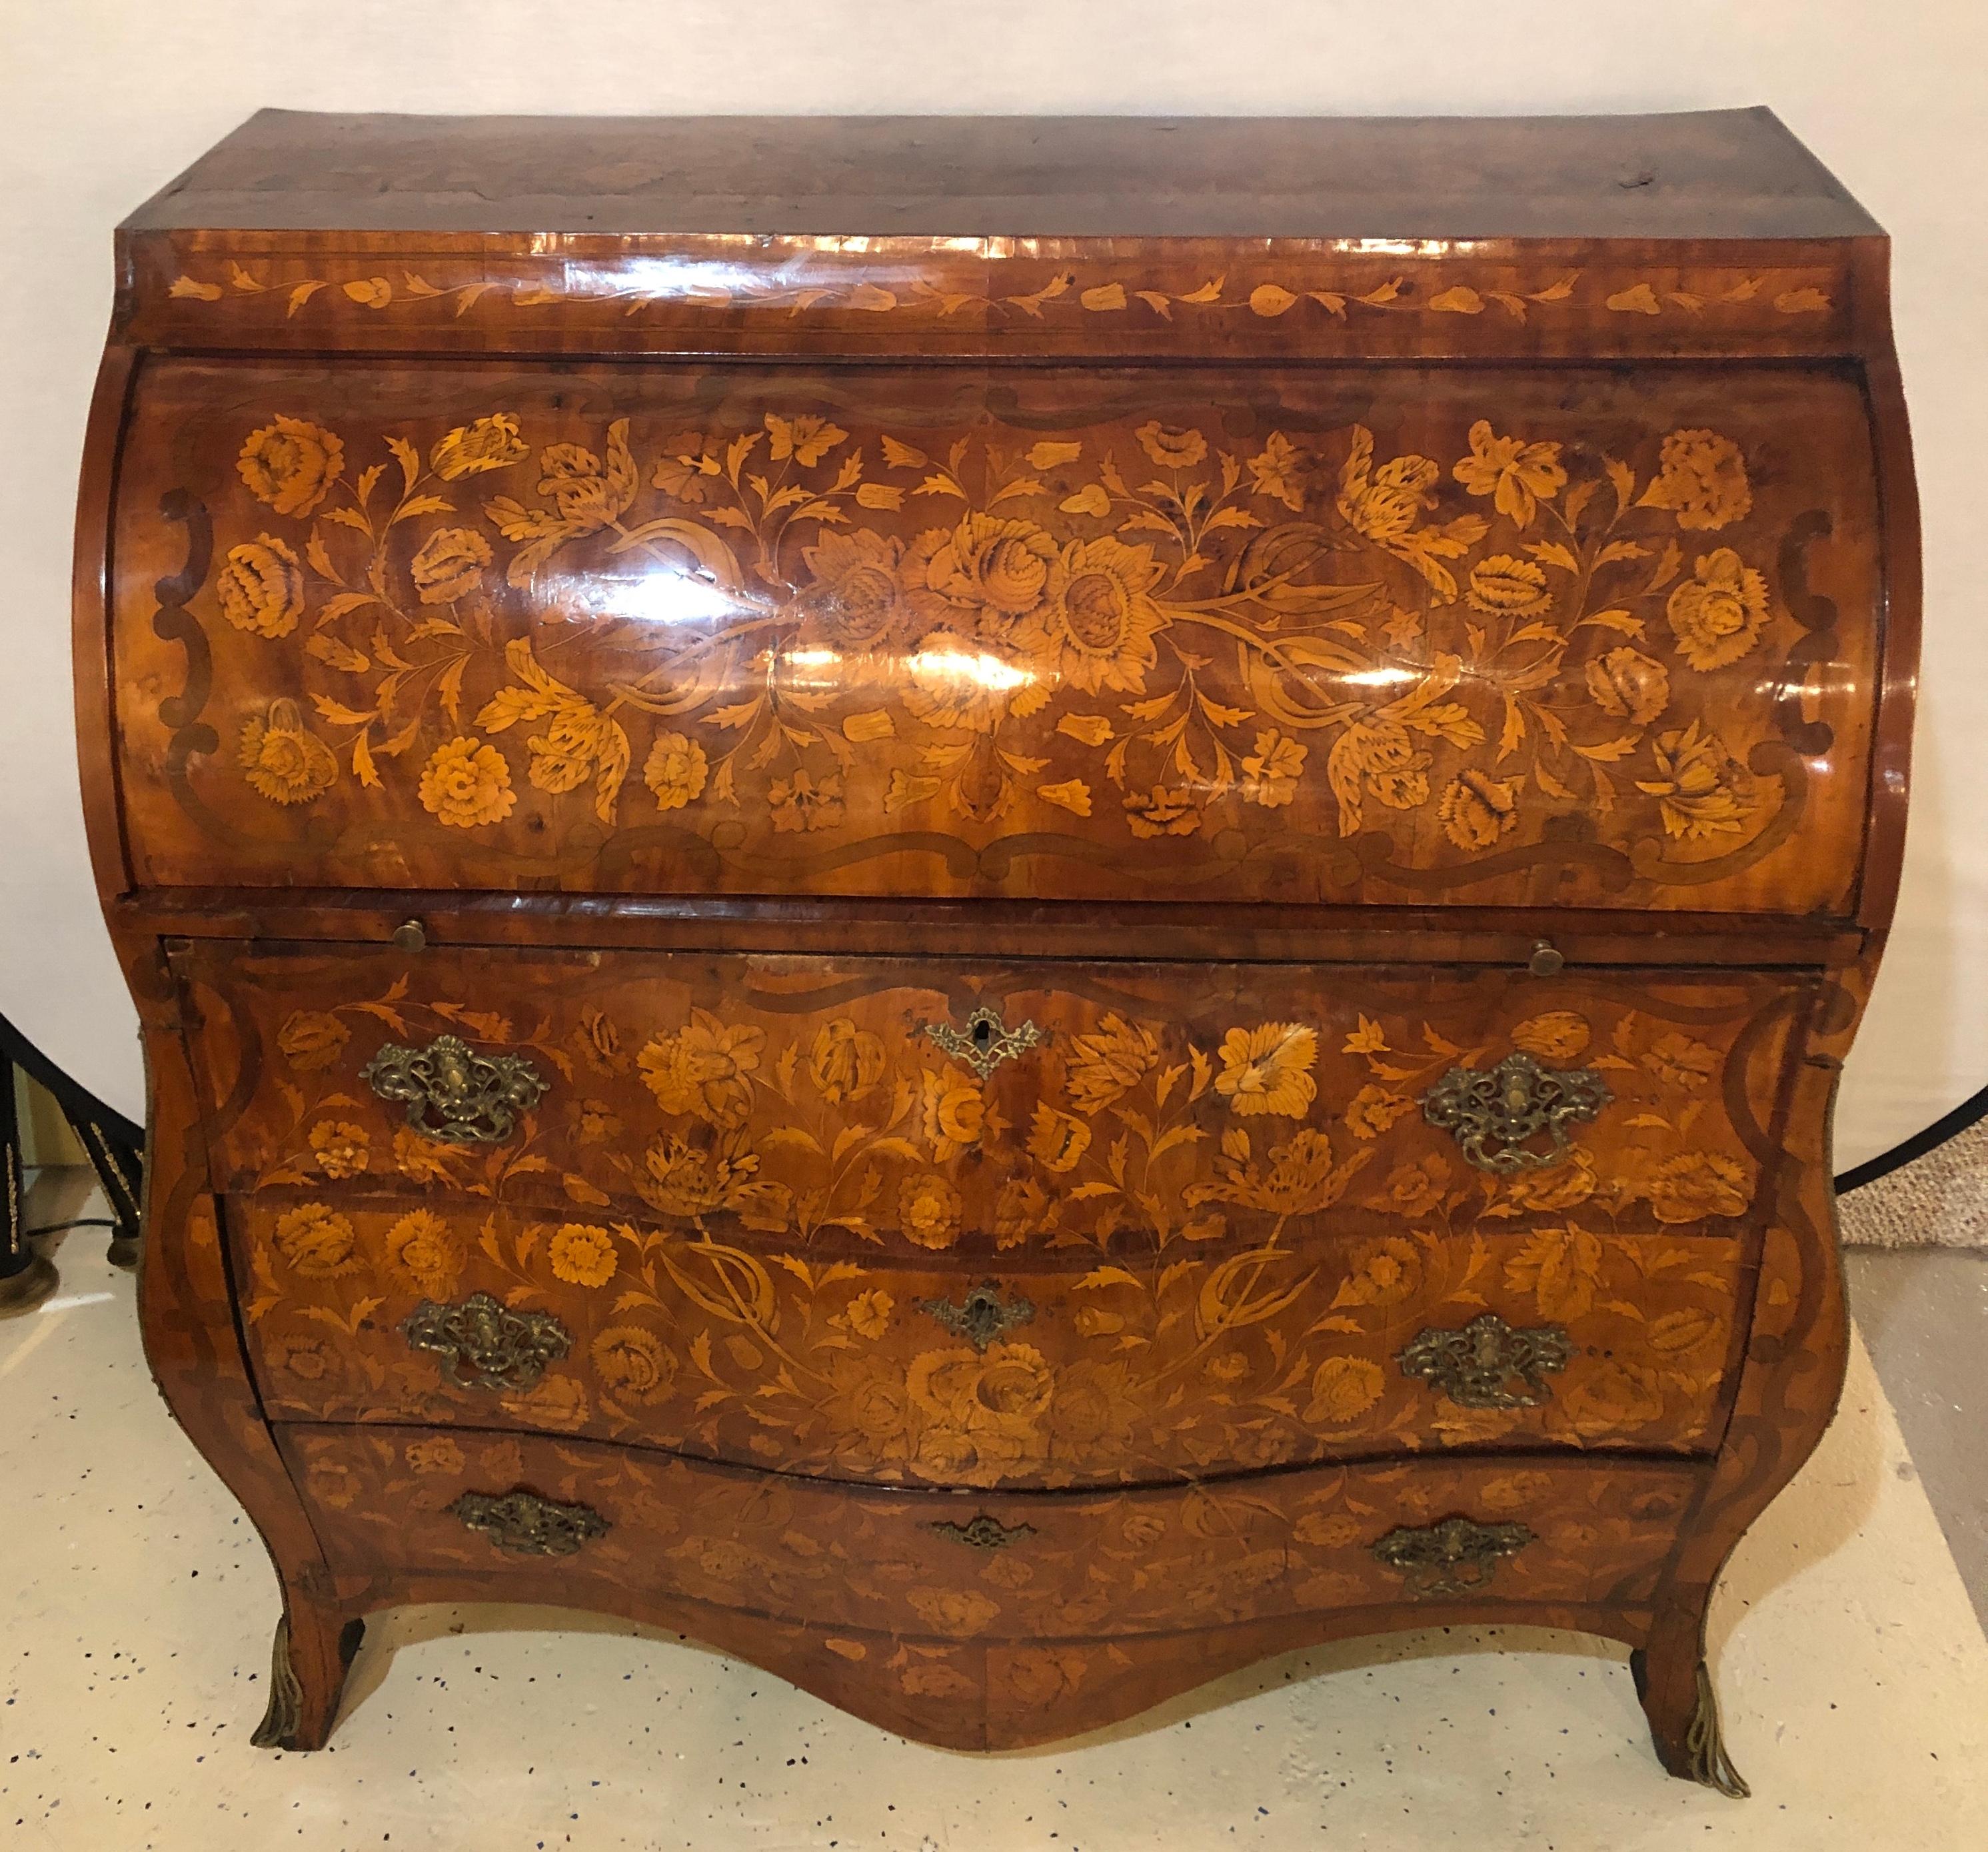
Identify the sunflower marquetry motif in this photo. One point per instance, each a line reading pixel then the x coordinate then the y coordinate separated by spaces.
pixel 1004 912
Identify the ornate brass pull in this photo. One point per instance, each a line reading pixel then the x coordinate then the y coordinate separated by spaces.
pixel 1472 1366
pixel 484 1344
pixel 985 1042
pixel 981 1317
pixel 475 1099
pixel 1493 1113
pixel 1456 1557
pixel 529 1525
pixel 984 1533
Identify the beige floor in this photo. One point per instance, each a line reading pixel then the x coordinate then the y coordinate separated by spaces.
pixel 138 1607
pixel 1923 1312
pixel 1939 1200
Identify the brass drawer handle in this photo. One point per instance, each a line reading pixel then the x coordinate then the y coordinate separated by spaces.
pixel 475 1099
pixel 1456 1557
pixel 985 1041
pixel 1492 1112
pixel 981 1317
pixel 984 1533
pixel 529 1525
pixel 1473 1367
pixel 484 1344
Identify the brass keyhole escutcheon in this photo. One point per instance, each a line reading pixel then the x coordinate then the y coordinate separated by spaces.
pixel 986 1041
pixel 981 1318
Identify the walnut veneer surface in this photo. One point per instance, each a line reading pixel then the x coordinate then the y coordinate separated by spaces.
pixel 1005 908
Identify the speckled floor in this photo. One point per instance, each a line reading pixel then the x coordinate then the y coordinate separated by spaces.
pixel 138 1607
pixel 1924 1315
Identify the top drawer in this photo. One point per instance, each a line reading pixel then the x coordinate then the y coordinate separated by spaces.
pixel 1385 634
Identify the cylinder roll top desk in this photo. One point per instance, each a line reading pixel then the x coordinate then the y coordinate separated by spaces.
pixel 1004 909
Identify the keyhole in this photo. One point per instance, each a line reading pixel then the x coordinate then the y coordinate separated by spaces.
pixel 983 1032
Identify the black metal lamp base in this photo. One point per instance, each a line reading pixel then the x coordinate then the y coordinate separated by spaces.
pixel 112 1145
pixel 27 1286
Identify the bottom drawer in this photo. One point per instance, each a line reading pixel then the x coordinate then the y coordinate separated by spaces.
pixel 546 1516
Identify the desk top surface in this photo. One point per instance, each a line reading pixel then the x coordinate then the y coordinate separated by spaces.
pixel 1730 173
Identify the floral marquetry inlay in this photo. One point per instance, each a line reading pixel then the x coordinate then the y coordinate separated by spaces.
pixel 1114 1564
pixel 1166 1107
pixel 1267 1355
pixel 1271 650
pixel 764 1206
pixel 260 292
pixel 1006 909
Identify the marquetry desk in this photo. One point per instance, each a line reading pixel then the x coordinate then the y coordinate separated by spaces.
pixel 1004 909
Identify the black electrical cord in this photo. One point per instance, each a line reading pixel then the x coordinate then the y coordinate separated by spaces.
pixel 1949 1125
pixel 82 1221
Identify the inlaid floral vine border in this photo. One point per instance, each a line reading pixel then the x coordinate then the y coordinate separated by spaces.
pixel 1063 293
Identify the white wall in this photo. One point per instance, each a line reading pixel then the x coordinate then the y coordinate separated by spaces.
pixel 102 100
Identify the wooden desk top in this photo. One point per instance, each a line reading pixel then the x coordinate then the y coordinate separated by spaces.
pixel 1726 173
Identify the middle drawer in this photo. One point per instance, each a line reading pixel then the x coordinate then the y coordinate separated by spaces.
pixel 1226 1360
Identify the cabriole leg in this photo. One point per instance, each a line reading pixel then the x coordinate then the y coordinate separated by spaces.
pixel 314 1647
pixel 1675 1684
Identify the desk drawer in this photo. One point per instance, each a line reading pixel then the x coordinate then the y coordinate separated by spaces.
pixel 1224 1358
pixel 981 1566
pixel 899 1108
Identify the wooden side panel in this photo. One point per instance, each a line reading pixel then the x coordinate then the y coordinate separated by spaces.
pixel 1798 1351
pixel 185 1304
pixel 1407 635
